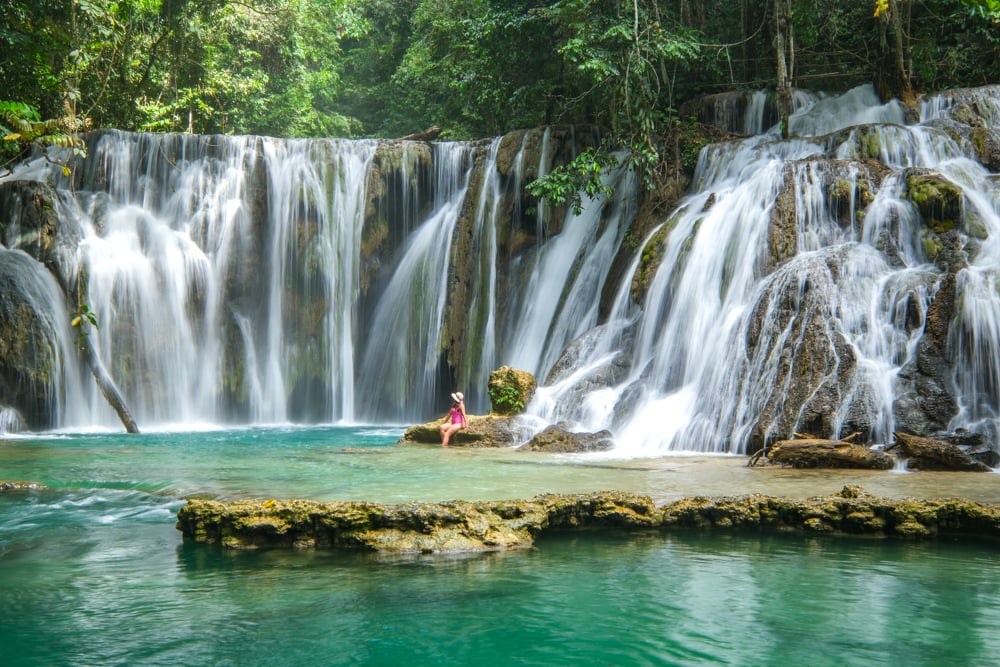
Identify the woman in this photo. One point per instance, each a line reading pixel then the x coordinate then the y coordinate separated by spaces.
pixel 455 421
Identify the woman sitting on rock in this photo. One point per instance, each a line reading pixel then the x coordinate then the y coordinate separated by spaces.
pixel 455 421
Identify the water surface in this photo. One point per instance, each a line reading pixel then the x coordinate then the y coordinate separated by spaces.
pixel 93 571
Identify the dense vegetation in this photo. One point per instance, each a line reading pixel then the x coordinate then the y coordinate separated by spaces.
pixel 473 67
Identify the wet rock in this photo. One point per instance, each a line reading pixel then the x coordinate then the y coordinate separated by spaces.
pixel 938 200
pixel 7 486
pixel 31 356
pixel 930 454
pixel 31 221
pixel 483 431
pixel 454 526
pixel 510 390
pixel 782 232
pixel 924 400
pixel 821 453
pixel 809 369
pixel 458 526
pixel 850 512
pixel 987 145
pixel 727 111
pixel 557 439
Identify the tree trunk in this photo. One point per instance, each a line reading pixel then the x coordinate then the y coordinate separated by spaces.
pixel 107 386
pixel 902 49
pixel 781 26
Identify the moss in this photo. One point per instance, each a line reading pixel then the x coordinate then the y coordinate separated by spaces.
pixel 649 263
pixel 510 390
pixel 975 226
pixel 938 201
pixel 932 246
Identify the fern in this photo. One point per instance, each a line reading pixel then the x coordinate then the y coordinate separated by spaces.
pixel 22 126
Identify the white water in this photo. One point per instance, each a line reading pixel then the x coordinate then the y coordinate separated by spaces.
pixel 178 275
pixel 28 288
pixel 692 386
pixel 402 346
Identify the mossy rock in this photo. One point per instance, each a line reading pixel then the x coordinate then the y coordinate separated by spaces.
pixel 511 524
pixel 510 390
pixel 483 431
pixel 938 200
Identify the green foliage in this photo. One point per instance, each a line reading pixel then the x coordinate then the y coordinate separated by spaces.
pixel 506 398
pixel 567 183
pixel 985 9
pixel 473 67
pixel 23 128
pixel 82 318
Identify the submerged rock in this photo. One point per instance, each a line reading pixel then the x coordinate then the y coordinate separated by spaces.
pixel 560 440
pixel 7 486
pixel 458 526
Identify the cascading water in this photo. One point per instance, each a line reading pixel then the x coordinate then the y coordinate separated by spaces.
pixel 737 325
pixel 203 241
pixel 399 369
pixel 798 286
pixel 32 308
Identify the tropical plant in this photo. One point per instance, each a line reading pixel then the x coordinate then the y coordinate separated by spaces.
pixel 23 128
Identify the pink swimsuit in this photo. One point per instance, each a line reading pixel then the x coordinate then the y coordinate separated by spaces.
pixel 457 417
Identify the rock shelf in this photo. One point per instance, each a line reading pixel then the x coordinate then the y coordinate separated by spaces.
pixel 458 526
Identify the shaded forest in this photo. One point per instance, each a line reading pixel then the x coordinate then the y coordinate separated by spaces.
pixel 474 68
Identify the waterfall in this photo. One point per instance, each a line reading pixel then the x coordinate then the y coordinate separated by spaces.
pixel 203 257
pixel 38 343
pixel 843 280
pixel 735 326
pixel 403 343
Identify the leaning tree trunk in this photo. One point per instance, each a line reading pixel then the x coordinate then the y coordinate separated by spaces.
pixel 107 385
pixel 782 41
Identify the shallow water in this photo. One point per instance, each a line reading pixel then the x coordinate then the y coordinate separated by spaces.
pixel 92 571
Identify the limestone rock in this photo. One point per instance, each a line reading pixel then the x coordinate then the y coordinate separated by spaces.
pixel 930 454
pixel 557 439
pixel 938 199
pixel 31 207
pixel 453 526
pixel 510 390
pixel 457 526
pixel 821 453
pixel 483 431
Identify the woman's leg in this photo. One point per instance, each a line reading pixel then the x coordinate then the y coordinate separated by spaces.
pixel 448 431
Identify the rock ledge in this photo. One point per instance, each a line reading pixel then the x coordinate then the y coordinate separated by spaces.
pixel 458 526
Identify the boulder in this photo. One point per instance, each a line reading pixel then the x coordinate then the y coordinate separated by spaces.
pixel 31 219
pixel 557 439
pixel 483 431
pixel 930 454
pixel 938 199
pixel 510 390
pixel 821 453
